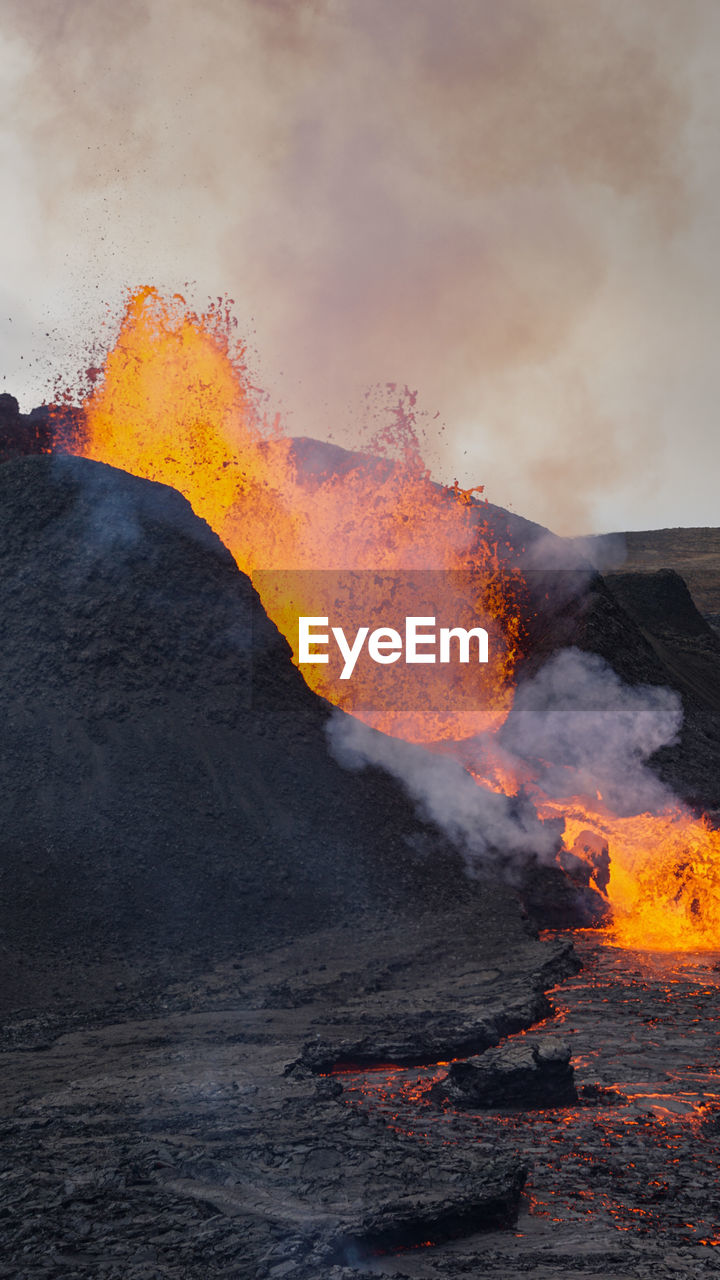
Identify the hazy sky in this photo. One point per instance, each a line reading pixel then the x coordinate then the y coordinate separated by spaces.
pixel 510 205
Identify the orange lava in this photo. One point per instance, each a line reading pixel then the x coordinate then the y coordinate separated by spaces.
pixel 174 404
pixel 664 871
pixel 664 885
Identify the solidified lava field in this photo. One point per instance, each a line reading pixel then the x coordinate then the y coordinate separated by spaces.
pixel 180 1139
pixel 624 1184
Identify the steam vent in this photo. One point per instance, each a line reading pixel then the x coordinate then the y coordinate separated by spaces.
pixel 287 995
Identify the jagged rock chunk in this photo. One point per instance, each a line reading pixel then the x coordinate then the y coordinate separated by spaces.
pixel 525 1074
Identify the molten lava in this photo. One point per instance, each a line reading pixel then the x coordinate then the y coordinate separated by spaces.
pixel 175 404
pixel 664 885
pixel 664 869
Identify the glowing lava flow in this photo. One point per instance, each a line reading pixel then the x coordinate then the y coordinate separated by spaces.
pixel 664 885
pixel 174 404
pixel 664 869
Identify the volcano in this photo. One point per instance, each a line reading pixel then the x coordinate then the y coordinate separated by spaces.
pixel 167 782
pixel 209 924
pixel 188 871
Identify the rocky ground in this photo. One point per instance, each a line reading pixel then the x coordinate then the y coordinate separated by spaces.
pixel 622 1184
pixel 192 1136
pixel 188 1137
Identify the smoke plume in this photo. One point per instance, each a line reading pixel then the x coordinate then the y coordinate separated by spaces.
pixel 574 730
pixel 510 206
pixel 586 733
pixel 491 829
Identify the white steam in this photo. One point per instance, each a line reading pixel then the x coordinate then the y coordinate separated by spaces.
pixel 575 729
pixel 585 732
pixel 480 822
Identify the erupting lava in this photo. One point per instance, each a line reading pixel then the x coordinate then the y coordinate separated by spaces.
pixel 174 404
pixel 664 885
pixel 664 869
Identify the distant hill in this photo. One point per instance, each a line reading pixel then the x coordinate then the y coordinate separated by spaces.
pixel 693 553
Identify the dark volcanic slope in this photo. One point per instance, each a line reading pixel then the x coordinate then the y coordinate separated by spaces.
pixel 648 629
pixel 688 646
pixel 169 810
pixel 693 553
pixel 164 772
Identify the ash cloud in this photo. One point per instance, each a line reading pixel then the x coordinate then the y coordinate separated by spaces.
pixel 477 199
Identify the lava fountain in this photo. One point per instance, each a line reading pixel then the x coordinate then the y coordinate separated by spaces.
pixel 174 403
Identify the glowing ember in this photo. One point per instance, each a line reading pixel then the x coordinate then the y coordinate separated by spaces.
pixel 635 1158
pixel 174 404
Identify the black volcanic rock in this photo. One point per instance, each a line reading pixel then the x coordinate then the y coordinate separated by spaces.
pixel 180 780
pixel 693 553
pixel 686 657
pixel 526 1073
pixel 23 434
pixel 689 648
pixel 165 775
pixel 192 890
pixel 647 628
pixel 564 899
pixel 168 797
pixel 9 408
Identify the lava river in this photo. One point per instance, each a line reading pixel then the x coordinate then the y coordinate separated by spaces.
pixel 624 1184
